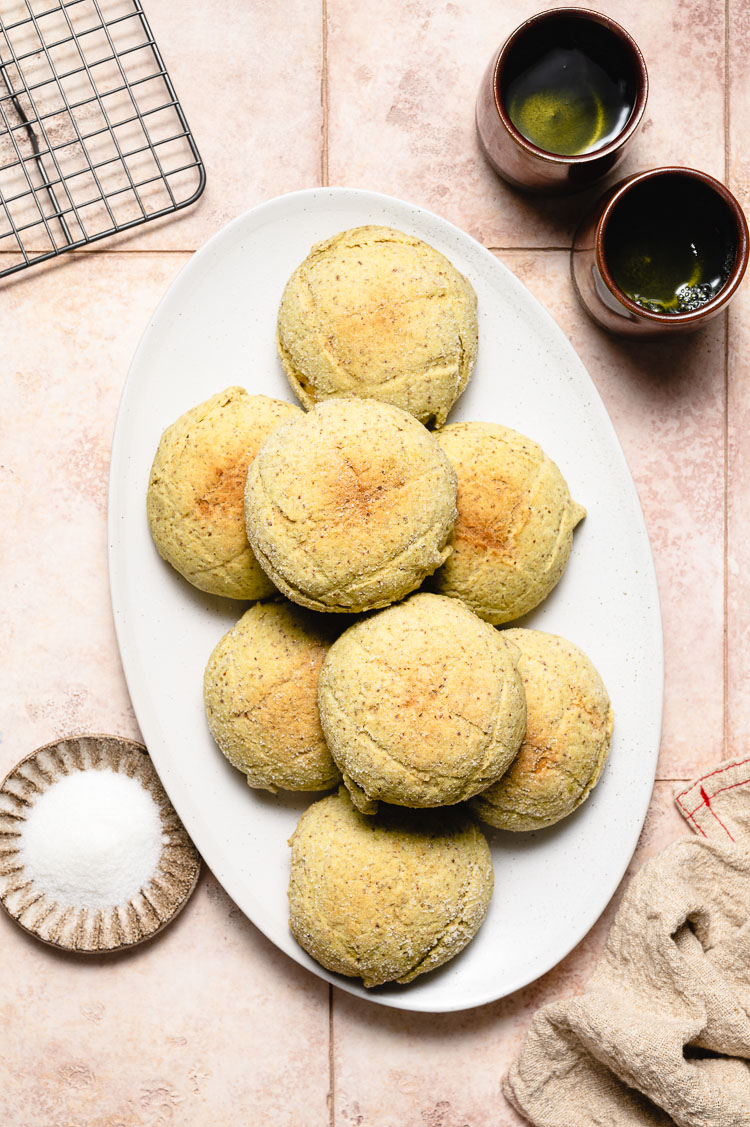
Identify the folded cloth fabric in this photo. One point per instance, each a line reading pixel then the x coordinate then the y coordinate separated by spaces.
pixel 661 1034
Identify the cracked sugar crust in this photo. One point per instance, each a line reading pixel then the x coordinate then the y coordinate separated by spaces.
pixel 260 695
pixel 568 733
pixel 350 507
pixel 421 704
pixel 388 898
pixel 375 313
pixel 515 523
pixel 195 500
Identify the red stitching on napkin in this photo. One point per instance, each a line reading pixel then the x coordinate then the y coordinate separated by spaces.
pixel 718 819
pixel 731 786
pixel 710 775
pixel 689 814
pixel 697 825
pixel 706 800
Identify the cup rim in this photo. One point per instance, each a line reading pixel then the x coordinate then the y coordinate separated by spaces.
pixel 641 91
pixel 737 272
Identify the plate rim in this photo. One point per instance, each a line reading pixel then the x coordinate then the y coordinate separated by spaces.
pixel 312 197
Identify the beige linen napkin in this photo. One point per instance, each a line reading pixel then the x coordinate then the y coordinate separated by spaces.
pixel 661 1033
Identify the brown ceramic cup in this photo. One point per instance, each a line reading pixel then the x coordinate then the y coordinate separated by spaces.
pixel 675 208
pixel 512 154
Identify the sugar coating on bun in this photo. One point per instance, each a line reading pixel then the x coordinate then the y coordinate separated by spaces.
pixel 195 492
pixel 386 899
pixel 569 724
pixel 515 523
pixel 421 704
pixel 350 507
pixel 260 693
pixel 376 313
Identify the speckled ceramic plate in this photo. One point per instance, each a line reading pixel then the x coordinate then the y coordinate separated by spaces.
pixel 216 327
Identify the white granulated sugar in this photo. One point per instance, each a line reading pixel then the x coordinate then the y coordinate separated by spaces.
pixel 93 839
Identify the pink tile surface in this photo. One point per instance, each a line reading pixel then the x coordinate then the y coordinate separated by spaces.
pixel 249 79
pixel 444 1070
pixel 738 531
pixel 70 332
pixel 738 492
pixel 403 87
pixel 206 1024
pixel 666 401
pixel 738 150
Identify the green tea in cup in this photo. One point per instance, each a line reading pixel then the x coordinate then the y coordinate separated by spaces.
pixel 561 100
pixel 670 244
pixel 662 252
pixel 566 102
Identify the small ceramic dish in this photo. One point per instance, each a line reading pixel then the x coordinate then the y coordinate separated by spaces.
pixel 90 927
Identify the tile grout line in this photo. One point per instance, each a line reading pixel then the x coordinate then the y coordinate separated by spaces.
pixel 726 93
pixel 192 250
pixel 726 538
pixel 725 654
pixel 528 249
pixel 324 97
pixel 331 1091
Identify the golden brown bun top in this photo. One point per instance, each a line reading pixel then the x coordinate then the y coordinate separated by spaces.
pixel 350 506
pixel 515 521
pixel 261 696
pixel 195 493
pixel 386 898
pixel 421 704
pixel 569 726
pixel 374 312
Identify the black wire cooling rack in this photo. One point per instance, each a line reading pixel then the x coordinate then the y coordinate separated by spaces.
pixel 92 137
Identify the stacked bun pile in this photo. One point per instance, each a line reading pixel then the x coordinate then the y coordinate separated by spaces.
pixel 380 557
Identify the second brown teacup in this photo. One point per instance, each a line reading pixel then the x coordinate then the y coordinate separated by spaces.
pixel 560 100
pixel 662 252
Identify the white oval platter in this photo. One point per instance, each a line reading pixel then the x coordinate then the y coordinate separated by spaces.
pixel 216 327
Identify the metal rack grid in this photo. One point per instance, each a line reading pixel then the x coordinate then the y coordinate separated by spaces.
pixel 93 139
